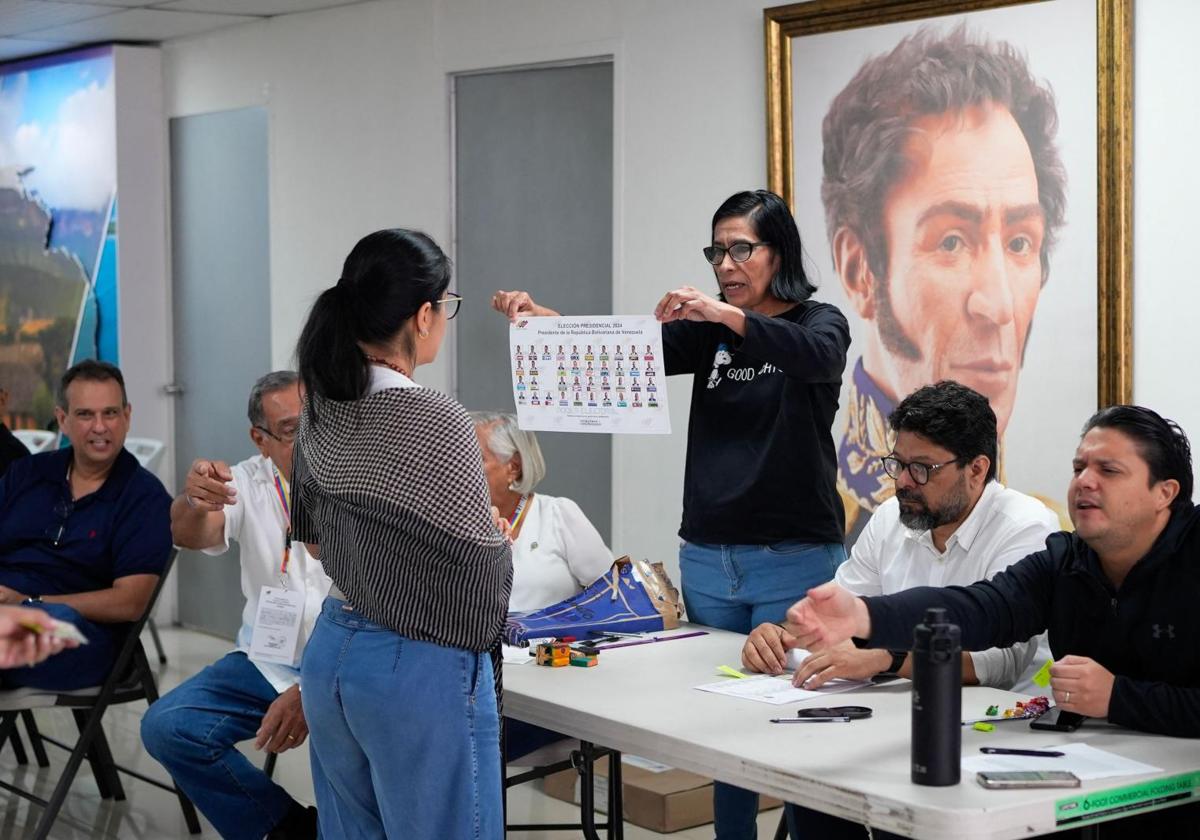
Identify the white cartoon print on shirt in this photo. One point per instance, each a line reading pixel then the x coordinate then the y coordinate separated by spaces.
pixel 721 358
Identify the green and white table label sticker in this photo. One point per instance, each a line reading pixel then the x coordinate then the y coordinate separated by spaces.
pixel 1102 804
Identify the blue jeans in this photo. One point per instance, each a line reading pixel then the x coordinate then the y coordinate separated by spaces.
pixel 192 731
pixel 404 734
pixel 81 667
pixel 738 587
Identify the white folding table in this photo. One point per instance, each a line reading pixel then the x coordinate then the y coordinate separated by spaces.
pixel 641 700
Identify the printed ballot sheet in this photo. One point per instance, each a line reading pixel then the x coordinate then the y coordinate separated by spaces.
pixel 589 374
pixel 778 691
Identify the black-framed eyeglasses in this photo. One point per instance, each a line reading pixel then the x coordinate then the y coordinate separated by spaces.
pixel 451 303
pixel 920 473
pixel 284 436
pixel 58 530
pixel 739 252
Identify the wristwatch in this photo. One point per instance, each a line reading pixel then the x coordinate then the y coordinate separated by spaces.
pixel 898 657
pixel 32 601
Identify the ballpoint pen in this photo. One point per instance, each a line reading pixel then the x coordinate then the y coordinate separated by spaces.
pixel 1035 753
pixel 812 720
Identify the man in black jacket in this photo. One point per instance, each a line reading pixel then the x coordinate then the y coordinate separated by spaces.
pixel 1117 597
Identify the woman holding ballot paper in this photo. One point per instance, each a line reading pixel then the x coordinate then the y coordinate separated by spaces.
pixel 762 519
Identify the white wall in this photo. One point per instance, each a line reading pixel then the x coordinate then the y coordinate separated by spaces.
pixel 1166 181
pixel 143 270
pixel 143 265
pixel 358 102
pixel 360 139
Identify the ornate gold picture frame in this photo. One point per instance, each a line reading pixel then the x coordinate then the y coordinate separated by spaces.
pixel 1114 178
pixel 817 55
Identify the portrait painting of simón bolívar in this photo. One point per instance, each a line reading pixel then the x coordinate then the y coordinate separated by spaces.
pixel 952 164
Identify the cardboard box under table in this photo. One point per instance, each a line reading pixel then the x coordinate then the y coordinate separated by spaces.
pixel 657 797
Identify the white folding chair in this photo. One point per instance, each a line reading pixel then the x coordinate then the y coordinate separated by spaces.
pixel 36 440
pixel 148 451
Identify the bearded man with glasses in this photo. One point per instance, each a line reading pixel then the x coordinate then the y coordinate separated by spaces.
pixel 950 523
pixel 194 729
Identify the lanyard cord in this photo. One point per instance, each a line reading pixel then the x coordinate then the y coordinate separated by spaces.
pixel 519 514
pixel 284 502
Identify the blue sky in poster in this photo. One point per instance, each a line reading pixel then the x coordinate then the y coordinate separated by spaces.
pixel 57 116
pixel 49 86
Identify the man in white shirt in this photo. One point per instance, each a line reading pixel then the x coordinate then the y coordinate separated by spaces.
pixel 950 523
pixel 254 691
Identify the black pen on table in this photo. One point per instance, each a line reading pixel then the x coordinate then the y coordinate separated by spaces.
pixel 837 719
pixel 1036 753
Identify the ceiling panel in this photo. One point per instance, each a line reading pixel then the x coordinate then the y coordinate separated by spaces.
pixel 18 17
pixel 125 4
pixel 11 48
pixel 140 25
pixel 254 7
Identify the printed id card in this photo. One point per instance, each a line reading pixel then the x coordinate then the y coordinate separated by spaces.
pixel 277 625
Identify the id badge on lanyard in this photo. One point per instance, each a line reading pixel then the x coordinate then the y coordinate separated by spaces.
pixel 277 625
pixel 280 609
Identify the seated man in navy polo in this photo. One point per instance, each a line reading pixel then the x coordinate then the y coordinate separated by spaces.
pixel 84 531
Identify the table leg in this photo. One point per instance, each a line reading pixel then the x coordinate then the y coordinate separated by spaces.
pixel 587 804
pixel 616 801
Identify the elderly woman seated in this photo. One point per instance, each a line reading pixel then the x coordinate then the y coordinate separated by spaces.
pixel 556 550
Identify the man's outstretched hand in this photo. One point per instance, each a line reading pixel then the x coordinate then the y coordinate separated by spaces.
pixel 827 616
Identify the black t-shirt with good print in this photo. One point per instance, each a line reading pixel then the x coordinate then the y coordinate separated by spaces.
pixel 761 462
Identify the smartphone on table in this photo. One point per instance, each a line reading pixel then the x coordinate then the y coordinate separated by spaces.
pixel 1026 779
pixel 1056 720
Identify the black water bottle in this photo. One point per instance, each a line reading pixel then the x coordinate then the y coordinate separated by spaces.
pixel 936 701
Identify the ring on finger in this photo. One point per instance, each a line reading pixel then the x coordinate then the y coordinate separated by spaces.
pixel 1067 698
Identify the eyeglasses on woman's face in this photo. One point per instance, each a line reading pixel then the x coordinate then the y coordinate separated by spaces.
pixel 739 252
pixel 450 304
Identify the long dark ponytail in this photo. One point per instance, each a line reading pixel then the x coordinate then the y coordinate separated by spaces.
pixel 385 280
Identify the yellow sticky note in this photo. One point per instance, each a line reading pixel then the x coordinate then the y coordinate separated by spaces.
pixel 985 727
pixel 726 671
pixel 1042 677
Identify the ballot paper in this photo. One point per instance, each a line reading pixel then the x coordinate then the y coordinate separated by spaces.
pixel 777 691
pixel 1086 762
pixel 589 374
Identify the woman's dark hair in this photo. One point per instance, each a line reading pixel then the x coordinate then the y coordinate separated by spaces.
pixel 1161 443
pixel 952 416
pixel 772 221
pixel 388 276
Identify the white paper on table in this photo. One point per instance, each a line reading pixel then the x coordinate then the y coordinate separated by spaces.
pixel 1084 761
pixel 512 655
pixel 777 691
pixel 795 658
pixel 600 373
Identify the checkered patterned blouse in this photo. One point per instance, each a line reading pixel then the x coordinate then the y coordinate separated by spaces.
pixel 392 488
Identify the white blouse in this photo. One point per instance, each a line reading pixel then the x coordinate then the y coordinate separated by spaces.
pixel 556 555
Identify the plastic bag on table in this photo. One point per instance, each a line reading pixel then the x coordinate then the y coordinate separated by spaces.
pixel 634 596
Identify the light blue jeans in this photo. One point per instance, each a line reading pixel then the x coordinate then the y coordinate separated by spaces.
pixel 404 735
pixel 738 587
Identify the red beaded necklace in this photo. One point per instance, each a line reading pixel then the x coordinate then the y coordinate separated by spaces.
pixel 376 360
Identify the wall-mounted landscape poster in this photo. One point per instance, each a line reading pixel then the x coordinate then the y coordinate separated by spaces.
pixel 58 225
